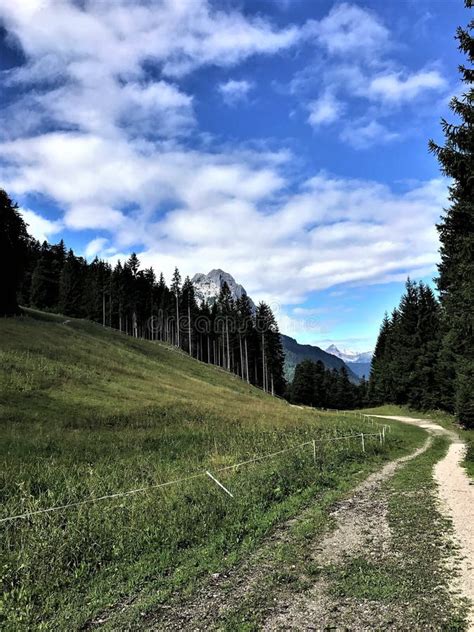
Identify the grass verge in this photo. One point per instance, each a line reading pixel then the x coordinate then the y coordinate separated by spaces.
pixel 86 411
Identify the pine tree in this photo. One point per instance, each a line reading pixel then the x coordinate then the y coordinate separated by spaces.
pixel 302 387
pixel 71 286
pixel 378 390
pixel 226 308
pixel 14 241
pixel 189 307
pixel 176 290
pixel 45 280
pixel 456 231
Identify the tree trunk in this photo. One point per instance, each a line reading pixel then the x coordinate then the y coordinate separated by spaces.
pixel 134 325
pixel 241 358
pixel 228 347
pixel 177 320
pixel 246 361
pixel 190 343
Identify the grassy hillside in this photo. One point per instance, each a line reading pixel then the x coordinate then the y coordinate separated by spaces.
pixel 87 412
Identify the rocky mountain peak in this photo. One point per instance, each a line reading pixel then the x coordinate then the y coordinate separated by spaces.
pixel 208 286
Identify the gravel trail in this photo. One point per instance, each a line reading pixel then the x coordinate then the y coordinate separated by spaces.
pixel 456 494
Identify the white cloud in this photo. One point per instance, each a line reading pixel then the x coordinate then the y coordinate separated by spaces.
pixel 93 57
pixel 352 70
pixel 364 135
pixel 95 247
pixel 117 162
pixel 350 29
pixel 234 212
pixel 324 110
pixel 394 87
pixel 121 34
pixel 233 91
pixel 40 227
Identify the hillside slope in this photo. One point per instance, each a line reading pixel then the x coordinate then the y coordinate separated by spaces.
pixel 296 353
pixel 87 412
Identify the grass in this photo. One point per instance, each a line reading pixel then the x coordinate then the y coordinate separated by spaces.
pixel 443 418
pixel 86 411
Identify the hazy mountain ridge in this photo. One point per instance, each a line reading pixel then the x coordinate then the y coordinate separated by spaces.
pixel 350 356
pixel 359 362
pixel 296 353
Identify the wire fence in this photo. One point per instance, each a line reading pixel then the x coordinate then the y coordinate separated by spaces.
pixel 362 436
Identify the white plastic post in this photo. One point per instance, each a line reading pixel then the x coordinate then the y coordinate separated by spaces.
pixel 363 442
pixel 220 484
pixel 314 451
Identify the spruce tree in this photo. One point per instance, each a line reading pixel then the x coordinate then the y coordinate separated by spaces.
pixel 456 232
pixel 378 390
pixel 14 241
pixel 302 387
pixel 176 290
pixel 71 286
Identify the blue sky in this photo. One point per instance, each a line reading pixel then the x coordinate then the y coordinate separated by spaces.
pixel 284 141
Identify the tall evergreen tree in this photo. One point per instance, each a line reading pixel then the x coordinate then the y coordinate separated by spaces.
pixel 45 278
pixel 71 286
pixel 176 290
pixel 456 231
pixel 14 240
pixel 271 350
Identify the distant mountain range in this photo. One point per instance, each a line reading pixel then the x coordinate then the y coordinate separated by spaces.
pixel 207 288
pixel 358 362
pixel 296 353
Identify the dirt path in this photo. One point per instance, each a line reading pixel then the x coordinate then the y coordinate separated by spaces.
pixel 362 531
pixel 456 493
pixel 361 524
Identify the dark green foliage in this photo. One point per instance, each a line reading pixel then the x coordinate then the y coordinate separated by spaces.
pixel 45 277
pixel 314 385
pixel 71 286
pixel 456 231
pixel 271 350
pixel 405 367
pixel 14 240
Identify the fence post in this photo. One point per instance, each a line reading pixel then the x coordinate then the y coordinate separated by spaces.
pixel 314 451
pixel 363 442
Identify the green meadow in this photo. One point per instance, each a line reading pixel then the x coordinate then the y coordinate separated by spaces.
pixel 87 412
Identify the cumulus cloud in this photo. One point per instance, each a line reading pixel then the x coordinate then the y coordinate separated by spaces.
pixel 363 135
pixel 233 91
pixel 122 34
pixel 394 87
pixel 324 110
pixel 107 147
pixel 40 227
pixel 354 64
pixel 95 247
pixel 350 29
